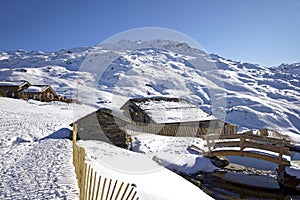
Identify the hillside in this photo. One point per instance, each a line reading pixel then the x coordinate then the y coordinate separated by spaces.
pixel 249 95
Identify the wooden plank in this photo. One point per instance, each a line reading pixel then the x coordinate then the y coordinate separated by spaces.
pixel 87 182
pixel 250 144
pixel 94 185
pixel 74 136
pixel 233 136
pixel 227 144
pixel 281 153
pixel 125 191
pixel 90 184
pixel 82 186
pixel 119 190
pixel 102 193
pixel 132 188
pixel 113 190
pixel 108 190
pixel 272 148
pixel 264 139
pixel 133 195
pixel 242 141
pixel 98 187
pixel 248 154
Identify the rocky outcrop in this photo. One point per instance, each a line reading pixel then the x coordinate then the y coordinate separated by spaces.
pixel 104 125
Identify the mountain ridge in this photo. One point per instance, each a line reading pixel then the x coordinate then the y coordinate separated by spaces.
pixel 250 95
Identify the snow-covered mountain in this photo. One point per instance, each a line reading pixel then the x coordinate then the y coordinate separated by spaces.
pixel 249 95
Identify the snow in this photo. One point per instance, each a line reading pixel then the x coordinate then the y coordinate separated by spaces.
pixel 174 152
pixel 294 169
pixel 169 111
pixel 38 170
pixel 153 181
pixel 250 95
pixel 36 159
pixel 7 83
pixel 35 88
pixel 36 162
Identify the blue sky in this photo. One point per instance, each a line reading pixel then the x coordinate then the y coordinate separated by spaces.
pixel 266 32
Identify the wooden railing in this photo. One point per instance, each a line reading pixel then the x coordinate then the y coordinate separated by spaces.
pixel 94 187
pixel 236 144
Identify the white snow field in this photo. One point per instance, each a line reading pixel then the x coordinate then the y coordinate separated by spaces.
pixel 252 96
pixel 36 159
pixel 152 180
pixel 36 163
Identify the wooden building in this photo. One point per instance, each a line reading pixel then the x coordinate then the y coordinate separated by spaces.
pixel 173 117
pixel 13 89
pixel 43 93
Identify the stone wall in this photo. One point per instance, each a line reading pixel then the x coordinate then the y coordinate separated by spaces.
pixel 104 125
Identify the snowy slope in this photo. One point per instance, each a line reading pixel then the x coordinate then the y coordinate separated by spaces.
pixel 246 94
pixel 36 159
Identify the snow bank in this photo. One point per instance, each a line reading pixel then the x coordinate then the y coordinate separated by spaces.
pixel 152 180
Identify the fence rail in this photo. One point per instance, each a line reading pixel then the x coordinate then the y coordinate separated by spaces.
pixel 243 141
pixel 91 185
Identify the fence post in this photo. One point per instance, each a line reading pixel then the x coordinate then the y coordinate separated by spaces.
pixel 74 136
pixel 90 183
pixel 83 178
pixel 98 187
pixel 119 190
pixel 125 191
pixel 112 194
pixel 94 185
pixel 242 142
pixel 108 190
pixel 282 145
pixel 87 182
pixel 102 193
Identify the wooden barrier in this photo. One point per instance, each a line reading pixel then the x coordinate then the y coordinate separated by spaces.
pixel 93 186
pixel 243 141
pixel 184 129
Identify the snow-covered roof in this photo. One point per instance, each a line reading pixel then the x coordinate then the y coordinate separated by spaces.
pixel 172 110
pixel 36 88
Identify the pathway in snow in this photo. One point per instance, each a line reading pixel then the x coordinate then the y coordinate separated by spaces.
pixel 32 167
pixel 38 170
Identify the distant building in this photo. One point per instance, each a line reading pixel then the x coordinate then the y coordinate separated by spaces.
pixel 173 117
pixel 13 89
pixel 40 92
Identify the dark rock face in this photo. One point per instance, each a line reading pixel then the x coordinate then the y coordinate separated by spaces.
pixel 287 180
pixel 220 161
pixel 105 126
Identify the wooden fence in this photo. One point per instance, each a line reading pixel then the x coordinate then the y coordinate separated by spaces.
pixel 227 144
pixel 93 186
pixel 184 129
